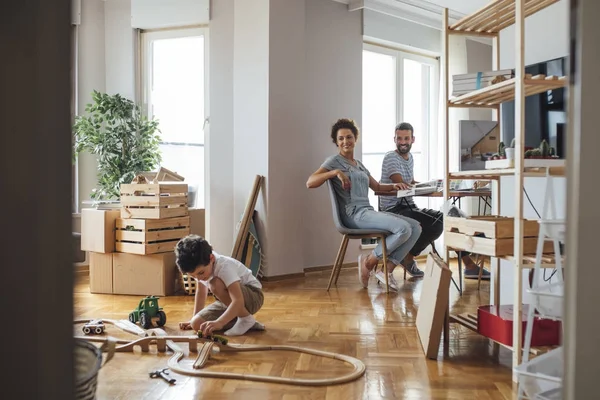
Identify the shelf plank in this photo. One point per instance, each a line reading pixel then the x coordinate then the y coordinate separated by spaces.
pixel 496 16
pixel 497 173
pixel 493 95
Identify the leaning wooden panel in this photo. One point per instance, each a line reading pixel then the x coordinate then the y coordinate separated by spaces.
pixel 238 246
pixel 434 304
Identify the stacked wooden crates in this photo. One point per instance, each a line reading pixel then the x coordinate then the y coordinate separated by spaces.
pixel 154 217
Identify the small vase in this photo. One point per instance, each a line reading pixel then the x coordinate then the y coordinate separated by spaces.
pixel 510 153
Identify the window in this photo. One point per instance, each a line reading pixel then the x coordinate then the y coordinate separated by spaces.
pixel 397 87
pixel 175 80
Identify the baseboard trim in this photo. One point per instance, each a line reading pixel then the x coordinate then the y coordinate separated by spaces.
pixel 328 267
pixel 282 277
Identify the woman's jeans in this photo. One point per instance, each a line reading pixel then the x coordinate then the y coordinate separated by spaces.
pixel 404 231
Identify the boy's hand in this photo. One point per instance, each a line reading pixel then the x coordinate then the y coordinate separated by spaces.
pixel 185 326
pixel 209 327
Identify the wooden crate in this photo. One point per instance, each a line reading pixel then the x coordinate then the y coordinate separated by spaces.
pixel 150 236
pixel 490 235
pixel 155 200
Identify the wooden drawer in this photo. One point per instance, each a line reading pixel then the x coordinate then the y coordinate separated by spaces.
pixel 154 201
pixel 490 235
pixel 140 236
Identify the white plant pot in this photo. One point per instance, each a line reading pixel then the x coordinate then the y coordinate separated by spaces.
pixel 510 153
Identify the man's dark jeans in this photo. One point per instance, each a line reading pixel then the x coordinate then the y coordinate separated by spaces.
pixel 432 224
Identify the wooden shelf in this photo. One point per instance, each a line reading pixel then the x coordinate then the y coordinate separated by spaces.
pixel 496 94
pixel 487 174
pixel 548 260
pixel 496 16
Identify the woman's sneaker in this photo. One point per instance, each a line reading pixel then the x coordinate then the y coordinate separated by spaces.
pixel 391 280
pixel 363 273
pixel 413 270
pixel 473 273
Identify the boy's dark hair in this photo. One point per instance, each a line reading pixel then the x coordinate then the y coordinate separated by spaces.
pixel 192 251
pixel 405 126
pixel 343 123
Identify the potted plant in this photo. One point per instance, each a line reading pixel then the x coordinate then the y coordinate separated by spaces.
pixel 510 151
pixel 124 141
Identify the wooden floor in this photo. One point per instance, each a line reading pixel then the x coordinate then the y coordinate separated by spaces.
pixel 377 328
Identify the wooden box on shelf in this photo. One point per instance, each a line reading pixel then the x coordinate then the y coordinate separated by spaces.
pixel 490 235
pixel 150 236
pixel 98 230
pixel 154 274
pixel 154 200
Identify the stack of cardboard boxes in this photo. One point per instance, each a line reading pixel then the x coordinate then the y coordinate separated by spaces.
pixel 131 248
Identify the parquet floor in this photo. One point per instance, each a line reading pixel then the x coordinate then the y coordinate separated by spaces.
pixel 377 328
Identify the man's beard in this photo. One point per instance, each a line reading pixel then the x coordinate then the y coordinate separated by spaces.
pixel 404 150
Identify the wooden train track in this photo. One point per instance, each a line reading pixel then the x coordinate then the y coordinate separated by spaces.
pixel 163 342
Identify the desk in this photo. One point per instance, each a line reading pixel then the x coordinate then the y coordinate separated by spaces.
pixel 484 195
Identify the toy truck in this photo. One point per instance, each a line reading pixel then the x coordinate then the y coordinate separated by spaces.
pixel 146 311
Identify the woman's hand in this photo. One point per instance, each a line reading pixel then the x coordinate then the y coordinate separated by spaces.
pixel 346 184
pixel 401 186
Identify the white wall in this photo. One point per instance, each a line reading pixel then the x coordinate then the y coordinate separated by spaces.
pixel 288 146
pixel 479 58
pixel 91 76
pixel 251 106
pixel 401 31
pixel 334 90
pixel 219 133
pixel 119 48
pixel 546 36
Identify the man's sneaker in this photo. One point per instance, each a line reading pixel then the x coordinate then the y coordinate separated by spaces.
pixel 473 273
pixel 391 280
pixel 363 273
pixel 413 270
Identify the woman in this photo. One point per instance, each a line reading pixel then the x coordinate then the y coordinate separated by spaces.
pixel 352 189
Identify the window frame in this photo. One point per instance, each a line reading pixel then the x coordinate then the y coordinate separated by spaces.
pixel 145 70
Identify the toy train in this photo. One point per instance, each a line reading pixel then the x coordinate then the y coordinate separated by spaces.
pixel 215 338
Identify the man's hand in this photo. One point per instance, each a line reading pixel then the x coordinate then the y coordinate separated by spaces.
pixel 209 327
pixel 185 326
pixel 402 186
pixel 346 184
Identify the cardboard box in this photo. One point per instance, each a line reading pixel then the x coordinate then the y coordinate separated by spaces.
pixel 144 275
pixel 197 221
pixel 101 272
pixel 98 230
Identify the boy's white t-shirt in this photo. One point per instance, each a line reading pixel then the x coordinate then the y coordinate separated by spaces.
pixel 230 270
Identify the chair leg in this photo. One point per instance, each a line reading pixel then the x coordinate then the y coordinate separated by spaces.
pixel 385 269
pixel 479 262
pixel 341 260
pixel 335 264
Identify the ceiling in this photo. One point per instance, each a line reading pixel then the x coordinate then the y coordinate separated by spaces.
pixel 460 6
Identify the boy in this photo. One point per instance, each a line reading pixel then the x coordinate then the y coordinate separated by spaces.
pixel 238 293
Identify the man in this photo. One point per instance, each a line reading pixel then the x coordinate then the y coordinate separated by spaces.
pixel 398 167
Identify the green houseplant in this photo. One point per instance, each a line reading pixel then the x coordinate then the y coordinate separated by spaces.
pixel 124 141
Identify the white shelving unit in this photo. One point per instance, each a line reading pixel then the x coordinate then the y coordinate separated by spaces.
pixel 544 373
pixel 489 21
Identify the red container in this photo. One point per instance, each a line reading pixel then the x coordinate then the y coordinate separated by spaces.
pixel 496 322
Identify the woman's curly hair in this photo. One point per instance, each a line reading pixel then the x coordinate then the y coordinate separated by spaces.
pixel 343 123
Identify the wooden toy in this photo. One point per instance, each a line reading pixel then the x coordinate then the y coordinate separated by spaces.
pixel 163 342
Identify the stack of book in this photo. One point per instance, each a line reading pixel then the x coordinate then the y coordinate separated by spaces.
pixel 465 83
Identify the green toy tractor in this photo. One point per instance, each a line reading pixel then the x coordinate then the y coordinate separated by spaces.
pixel 146 310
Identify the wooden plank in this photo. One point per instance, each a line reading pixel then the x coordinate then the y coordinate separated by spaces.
pixel 152 224
pixel 490 247
pixel 154 200
pixel 152 236
pixel 144 249
pixel 153 188
pixel 238 246
pixel 153 213
pixel 497 15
